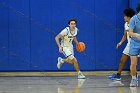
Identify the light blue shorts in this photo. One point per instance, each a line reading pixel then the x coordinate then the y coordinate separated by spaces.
pixel 134 48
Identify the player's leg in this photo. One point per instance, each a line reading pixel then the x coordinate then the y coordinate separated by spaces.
pixel 121 66
pixel 68 52
pixel 123 60
pixel 133 69
pixel 134 51
pixel 72 60
pixel 122 63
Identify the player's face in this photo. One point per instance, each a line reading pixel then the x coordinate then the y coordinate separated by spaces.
pixel 126 18
pixel 72 24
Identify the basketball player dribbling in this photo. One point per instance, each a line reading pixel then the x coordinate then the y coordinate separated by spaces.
pixel 68 35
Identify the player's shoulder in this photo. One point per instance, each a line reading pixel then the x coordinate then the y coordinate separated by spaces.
pixel 65 29
pixel 133 18
pixel 76 29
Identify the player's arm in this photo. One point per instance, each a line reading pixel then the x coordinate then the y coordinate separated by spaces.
pixel 57 39
pixel 58 43
pixel 132 34
pixel 60 35
pixel 123 39
pixel 131 27
pixel 75 40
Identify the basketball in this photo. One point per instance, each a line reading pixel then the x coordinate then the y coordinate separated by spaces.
pixel 80 47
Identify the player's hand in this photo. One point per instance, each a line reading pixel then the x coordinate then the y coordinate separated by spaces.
pixel 118 45
pixel 60 49
pixel 77 42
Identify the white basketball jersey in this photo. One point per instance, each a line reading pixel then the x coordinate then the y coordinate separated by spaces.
pixel 68 36
pixel 127 29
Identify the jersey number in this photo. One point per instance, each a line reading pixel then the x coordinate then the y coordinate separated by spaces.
pixel 70 40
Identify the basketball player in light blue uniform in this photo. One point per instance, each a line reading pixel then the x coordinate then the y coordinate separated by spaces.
pixel 134 32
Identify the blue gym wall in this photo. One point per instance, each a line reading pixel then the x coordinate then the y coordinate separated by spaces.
pixel 28 29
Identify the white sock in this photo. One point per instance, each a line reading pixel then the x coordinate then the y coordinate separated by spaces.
pixel 133 77
pixel 79 72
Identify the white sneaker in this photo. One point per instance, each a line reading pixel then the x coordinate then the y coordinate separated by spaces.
pixel 134 83
pixel 81 76
pixel 59 63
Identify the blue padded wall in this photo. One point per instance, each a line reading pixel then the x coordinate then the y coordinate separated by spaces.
pixel 28 29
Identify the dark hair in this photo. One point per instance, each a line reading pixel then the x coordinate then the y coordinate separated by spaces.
pixel 129 12
pixel 138 7
pixel 72 19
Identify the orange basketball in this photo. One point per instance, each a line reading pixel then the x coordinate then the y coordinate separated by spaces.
pixel 80 47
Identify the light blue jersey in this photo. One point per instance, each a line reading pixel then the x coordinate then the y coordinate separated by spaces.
pixel 135 25
pixel 135 43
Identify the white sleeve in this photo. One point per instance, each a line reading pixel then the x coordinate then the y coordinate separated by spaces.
pixel 64 32
pixel 126 26
pixel 76 31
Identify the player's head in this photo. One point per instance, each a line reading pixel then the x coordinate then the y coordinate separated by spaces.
pixel 138 7
pixel 72 22
pixel 128 13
